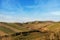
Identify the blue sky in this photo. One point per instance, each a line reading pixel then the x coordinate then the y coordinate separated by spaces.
pixel 29 10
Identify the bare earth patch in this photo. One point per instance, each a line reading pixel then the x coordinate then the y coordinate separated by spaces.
pixel 2 33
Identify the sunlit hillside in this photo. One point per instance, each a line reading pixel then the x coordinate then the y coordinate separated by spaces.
pixel 37 30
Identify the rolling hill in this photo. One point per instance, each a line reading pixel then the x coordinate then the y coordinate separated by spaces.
pixel 43 28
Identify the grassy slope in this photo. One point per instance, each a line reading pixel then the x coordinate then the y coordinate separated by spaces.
pixel 21 28
pixel 6 30
pixel 2 33
pixel 52 27
pixel 31 25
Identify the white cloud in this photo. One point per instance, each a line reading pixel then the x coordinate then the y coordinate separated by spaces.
pixel 17 17
pixel 9 18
